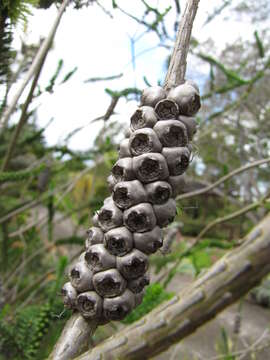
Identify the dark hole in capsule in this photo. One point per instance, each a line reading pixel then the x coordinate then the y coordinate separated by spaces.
pixel 162 194
pixel 94 259
pixel 136 266
pixel 118 171
pixel 174 136
pixel 109 285
pixel 88 305
pixel 137 118
pixel 141 143
pixel 121 195
pixel 105 215
pixel 116 312
pixel 137 221
pixel 149 167
pixel 116 244
pixel 75 274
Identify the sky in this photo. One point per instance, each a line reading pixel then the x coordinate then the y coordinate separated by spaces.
pixel 101 46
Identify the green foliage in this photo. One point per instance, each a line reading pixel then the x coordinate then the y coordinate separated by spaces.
pixel 155 294
pixel 20 175
pixel 17 9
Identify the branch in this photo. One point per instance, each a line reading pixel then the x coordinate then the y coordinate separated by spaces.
pixel 227 281
pixel 177 68
pixel 39 58
pixel 223 179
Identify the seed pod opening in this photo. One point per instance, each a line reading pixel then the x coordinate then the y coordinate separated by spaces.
pixel 190 124
pixel 167 109
pixel 152 95
pixel 69 295
pixel 165 213
pixel 137 285
pixel 95 236
pixel 140 218
pixel 144 117
pixel 171 133
pixel 110 216
pixel 150 167
pixel 119 241
pixel 133 265
pixel 178 184
pixel 109 283
pixel 98 258
pixel 81 277
pixel 89 305
pixel 128 193
pixel 149 242
pixel 123 170
pixel 118 307
pixel 158 192
pixel 144 141
pixel 177 159
pixel 187 97
pixel 124 149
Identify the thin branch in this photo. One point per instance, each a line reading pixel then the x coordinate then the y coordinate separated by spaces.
pixel 223 179
pixel 41 54
pixel 226 282
pixel 177 68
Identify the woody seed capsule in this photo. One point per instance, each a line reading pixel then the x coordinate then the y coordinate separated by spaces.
pixel 81 277
pixel 144 117
pixel 192 83
pixel 167 109
pixel 124 149
pixel 158 192
pixel 95 236
pixel 118 307
pixel 110 216
pixel 123 170
pixel 119 241
pixel 152 95
pixel 132 265
pixel 140 218
pixel 137 285
pixel 98 258
pixel 165 213
pixel 190 124
pixel 171 133
pixel 178 184
pixel 69 295
pixel 90 305
pixel 144 141
pixel 187 98
pixel 111 182
pixel 128 193
pixel 109 283
pixel 177 159
pixel 150 167
pixel 148 242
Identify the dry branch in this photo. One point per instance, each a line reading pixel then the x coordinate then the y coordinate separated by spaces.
pixel 227 281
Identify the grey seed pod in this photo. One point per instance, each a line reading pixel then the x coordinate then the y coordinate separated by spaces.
pixel 110 216
pixel 95 236
pixel 111 182
pixel 190 124
pixel 178 184
pixel 148 242
pixel 167 109
pixel 165 213
pixel 158 192
pixel 139 298
pixel 118 307
pixel 109 283
pixel 137 285
pixel 81 277
pixel 69 295
pixel 119 241
pixel 90 304
pixel 124 149
pixel 150 167
pixel 95 219
pixel 123 170
pixel 144 117
pixel 177 159
pixel 171 133
pixel 140 218
pixel 152 95
pixel 187 98
pixel 127 132
pixel 192 83
pixel 81 257
pixel 133 265
pixel 98 258
pixel 129 193
pixel 144 141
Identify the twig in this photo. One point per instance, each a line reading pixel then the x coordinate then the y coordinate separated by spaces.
pixel 223 179
pixel 41 54
pixel 177 68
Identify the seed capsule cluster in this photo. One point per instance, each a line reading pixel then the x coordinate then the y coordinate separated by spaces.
pixel 108 280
